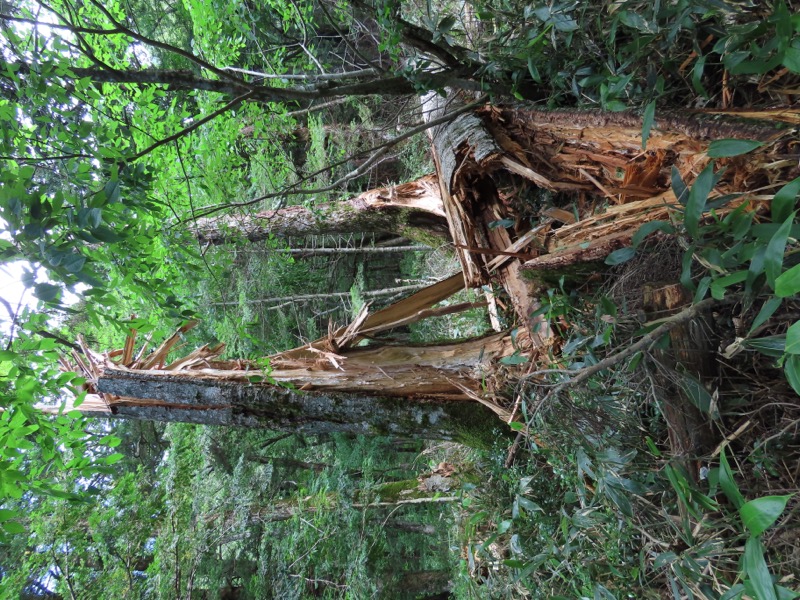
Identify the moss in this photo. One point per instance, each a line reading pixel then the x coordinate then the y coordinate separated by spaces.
pixel 398 490
pixel 572 275
pixel 423 236
pixel 476 426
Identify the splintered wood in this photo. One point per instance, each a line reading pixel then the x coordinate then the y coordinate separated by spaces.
pixel 602 184
pixel 453 371
pixel 623 186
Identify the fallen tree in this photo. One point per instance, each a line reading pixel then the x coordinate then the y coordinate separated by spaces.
pixel 413 210
pixel 327 386
pixel 483 158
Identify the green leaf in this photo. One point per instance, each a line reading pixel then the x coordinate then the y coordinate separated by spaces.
pixel 783 201
pixel 514 359
pixel 113 458
pixel 517 426
pixel 793 339
pixel 791 59
pixel 533 70
pixel 726 148
pixel 111 190
pixel 755 567
pixel 504 223
pixel 772 345
pixel 679 187
pixel 46 292
pixel 773 257
pixel 696 393
pixel 620 256
pixel 446 24
pixel 13 527
pixel 697 200
pixel 94 217
pixel 697 76
pixel 647 122
pixel 788 283
pixel 734 593
pixel 727 483
pixel 6 514
pixel 529 505
pixel 719 286
pixel 759 515
pixel 650 227
pixel 767 310
pixel 73 263
pixel 791 368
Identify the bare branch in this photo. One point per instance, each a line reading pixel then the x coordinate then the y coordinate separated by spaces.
pixel 361 73
pixel 379 151
pixel 209 117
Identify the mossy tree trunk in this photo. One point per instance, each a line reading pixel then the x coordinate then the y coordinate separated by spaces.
pixel 209 401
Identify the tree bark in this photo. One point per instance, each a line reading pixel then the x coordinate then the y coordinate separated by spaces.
pixel 329 251
pixel 688 357
pixel 234 86
pixel 402 391
pixel 413 210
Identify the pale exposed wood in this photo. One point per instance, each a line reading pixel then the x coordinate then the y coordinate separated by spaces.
pixel 494 315
pixel 423 314
pixel 523 242
pixel 560 215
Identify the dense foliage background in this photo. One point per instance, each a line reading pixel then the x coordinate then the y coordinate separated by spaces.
pixel 124 122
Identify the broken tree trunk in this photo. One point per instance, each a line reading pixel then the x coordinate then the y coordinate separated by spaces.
pixel 466 155
pixel 330 386
pixel 413 210
pixel 619 186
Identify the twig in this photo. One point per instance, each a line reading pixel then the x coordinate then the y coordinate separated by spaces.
pixel 582 375
pixel 730 437
pixel 379 152
pixel 209 117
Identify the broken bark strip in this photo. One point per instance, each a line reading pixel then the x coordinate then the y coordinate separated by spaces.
pixel 381 320
pixel 170 397
pixel 413 210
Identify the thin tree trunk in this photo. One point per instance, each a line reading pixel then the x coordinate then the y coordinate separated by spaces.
pixel 325 251
pixel 235 86
pixel 338 295
pixel 691 347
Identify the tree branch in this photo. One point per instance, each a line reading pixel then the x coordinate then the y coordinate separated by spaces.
pixel 379 151
pixel 168 47
pixel 209 117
